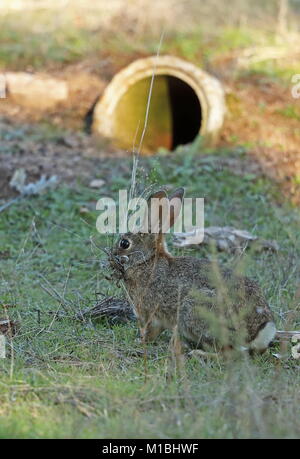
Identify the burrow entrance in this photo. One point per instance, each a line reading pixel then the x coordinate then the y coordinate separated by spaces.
pixel 186 101
pixel 174 116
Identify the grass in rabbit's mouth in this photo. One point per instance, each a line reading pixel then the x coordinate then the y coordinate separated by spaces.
pixel 69 379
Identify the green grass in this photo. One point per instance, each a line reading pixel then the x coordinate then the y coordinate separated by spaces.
pixel 20 48
pixel 47 39
pixel 49 42
pixel 290 111
pixel 272 70
pixel 69 379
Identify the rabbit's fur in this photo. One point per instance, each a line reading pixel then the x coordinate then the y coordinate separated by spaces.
pixel 210 307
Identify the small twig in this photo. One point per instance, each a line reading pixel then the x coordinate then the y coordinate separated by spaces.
pixel 54 294
pixel 38 311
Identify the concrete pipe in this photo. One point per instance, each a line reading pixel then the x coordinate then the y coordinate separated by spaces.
pixel 186 101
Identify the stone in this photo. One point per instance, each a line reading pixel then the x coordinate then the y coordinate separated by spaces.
pixel 36 91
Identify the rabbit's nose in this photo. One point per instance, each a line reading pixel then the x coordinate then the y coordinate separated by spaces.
pixel 123 259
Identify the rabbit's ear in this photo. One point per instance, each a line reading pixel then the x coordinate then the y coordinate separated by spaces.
pixel 157 207
pixel 157 195
pixel 175 201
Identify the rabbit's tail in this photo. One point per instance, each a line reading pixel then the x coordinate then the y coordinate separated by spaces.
pixel 264 337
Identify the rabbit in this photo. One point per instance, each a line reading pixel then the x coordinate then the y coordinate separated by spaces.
pixel 222 311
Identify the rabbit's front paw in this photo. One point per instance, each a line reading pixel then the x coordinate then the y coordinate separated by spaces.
pixel 150 332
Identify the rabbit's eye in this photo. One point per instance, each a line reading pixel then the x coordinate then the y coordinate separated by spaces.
pixel 124 243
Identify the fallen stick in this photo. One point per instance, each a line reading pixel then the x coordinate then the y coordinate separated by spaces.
pixel 111 308
pixel 286 335
pixel 225 238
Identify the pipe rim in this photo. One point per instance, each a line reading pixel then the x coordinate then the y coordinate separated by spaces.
pixel 207 88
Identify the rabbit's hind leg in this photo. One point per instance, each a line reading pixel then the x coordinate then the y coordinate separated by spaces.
pixel 151 331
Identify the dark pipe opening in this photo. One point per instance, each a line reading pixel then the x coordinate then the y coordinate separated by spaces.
pixel 185 110
pixel 88 119
pixel 174 118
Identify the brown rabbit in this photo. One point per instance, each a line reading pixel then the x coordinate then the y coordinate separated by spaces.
pixel 210 307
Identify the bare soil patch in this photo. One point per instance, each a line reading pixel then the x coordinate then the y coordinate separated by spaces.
pixel 72 157
pixel 258 117
pixel 79 157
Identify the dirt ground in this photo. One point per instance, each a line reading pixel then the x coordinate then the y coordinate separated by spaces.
pixel 74 157
pixel 257 118
pixel 70 156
